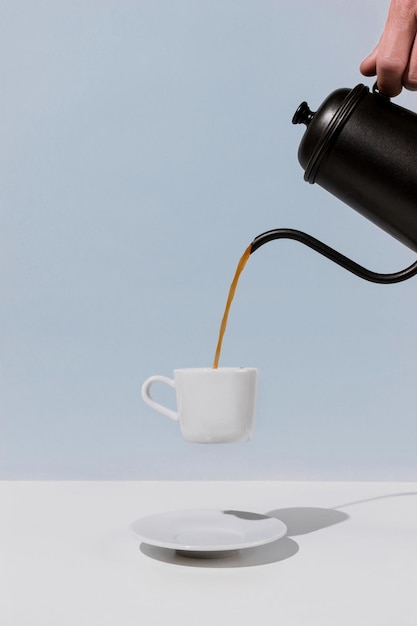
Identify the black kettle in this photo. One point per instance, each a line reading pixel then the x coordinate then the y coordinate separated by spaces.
pixel 362 148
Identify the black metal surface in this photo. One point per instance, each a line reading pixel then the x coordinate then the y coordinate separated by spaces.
pixel 333 255
pixel 362 148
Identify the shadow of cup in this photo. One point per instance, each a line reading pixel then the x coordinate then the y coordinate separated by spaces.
pixel 304 520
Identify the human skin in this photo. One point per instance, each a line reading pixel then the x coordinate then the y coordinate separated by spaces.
pixel 394 59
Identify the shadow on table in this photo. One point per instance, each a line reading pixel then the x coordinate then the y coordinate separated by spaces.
pixel 299 521
pixel 261 555
pixel 383 497
pixel 304 520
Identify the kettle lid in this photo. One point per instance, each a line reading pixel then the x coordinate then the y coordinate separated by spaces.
pixel 324 125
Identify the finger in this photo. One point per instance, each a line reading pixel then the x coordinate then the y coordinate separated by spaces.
pixel 410 74
pixel 394 48
pixel 368 65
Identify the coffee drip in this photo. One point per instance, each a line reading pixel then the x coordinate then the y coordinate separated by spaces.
pixel 240 267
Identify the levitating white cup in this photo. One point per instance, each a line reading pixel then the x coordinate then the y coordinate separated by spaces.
pixel 213 405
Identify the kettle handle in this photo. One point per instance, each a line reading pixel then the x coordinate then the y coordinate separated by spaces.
pixel 379 93
pixel 333 255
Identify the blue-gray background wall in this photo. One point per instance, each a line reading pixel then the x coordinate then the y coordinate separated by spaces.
pixel 143 145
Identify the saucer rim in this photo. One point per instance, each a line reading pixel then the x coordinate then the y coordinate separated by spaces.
pixel 278 531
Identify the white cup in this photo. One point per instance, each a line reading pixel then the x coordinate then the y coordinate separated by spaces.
pixel 213 405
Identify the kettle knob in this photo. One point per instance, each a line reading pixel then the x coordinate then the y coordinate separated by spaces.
pixel 303 115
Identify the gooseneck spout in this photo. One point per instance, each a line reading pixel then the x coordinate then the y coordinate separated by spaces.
pixel 333 255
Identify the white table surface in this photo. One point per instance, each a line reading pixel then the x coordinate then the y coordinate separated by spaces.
pixel 67 557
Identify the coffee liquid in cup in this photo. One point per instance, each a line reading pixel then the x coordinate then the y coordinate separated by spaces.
pixel 243 260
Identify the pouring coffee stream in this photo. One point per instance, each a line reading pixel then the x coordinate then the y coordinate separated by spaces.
pixel 362 148
pixel 321 248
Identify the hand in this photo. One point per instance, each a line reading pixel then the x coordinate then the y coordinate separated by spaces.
pixel 394 59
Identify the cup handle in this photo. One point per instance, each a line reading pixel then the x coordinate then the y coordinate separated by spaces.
pixel 146 395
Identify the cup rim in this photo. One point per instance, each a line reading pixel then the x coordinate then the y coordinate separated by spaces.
pixel 213 370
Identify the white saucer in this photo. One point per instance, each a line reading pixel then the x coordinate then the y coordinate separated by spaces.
pixel 208 532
